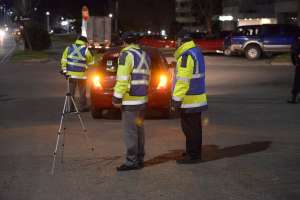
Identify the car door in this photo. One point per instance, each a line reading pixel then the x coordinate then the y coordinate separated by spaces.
pixel 274 39
pixel 290 34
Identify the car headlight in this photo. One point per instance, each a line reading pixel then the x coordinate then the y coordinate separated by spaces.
pixel 2 33
pixel 97 82
pixel 163 82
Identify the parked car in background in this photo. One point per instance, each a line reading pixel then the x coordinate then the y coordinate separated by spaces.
pixel 254 41
pixel 213 43
pixel 158 41
pixel 103 80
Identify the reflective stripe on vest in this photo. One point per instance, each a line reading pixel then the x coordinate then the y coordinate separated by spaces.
pixel 134 102
pixel 140 72
pixel 76 60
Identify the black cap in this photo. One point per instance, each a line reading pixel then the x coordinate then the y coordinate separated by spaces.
pixel 184 36
pixel 129 37
pixel 83 39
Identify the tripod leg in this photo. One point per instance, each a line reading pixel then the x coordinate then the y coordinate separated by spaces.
pixel 82 125
pixel 58 136
pixel 63 145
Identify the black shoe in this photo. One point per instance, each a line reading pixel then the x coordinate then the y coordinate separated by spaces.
pixel 189 160
pixel 141 164
pixel 128 168
pixel 292 101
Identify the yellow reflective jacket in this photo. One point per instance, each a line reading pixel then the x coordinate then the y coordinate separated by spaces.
pixel 75 60
pixel 132 76
pixel 189 88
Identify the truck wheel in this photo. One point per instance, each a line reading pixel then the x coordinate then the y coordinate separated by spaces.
pixel 253 52
pixel 96 112
pixel 227 52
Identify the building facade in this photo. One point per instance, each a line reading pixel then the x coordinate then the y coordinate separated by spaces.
pixel 245 12
pixel 184 15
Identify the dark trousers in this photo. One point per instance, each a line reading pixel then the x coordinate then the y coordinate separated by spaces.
pixel 296 86
pixel 191 124
pixel 81 85
pixel 134 136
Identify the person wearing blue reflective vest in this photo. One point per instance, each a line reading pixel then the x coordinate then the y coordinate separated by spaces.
pixel 189 95
pixel 74 63
pixel 131 95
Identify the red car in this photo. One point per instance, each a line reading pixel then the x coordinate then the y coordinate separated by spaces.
pixel 104 78
pixel 209 44
pixel 157 42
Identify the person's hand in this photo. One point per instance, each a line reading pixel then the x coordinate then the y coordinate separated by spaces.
pixel 117 105
pixel 117 102
pixel 62 72
pixel 176 106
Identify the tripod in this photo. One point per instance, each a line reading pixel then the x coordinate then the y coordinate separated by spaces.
pixel 68 103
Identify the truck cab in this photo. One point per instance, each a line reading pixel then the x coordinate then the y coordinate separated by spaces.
pixel 253 41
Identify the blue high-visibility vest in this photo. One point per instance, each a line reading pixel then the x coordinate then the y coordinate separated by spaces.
pixel 140 72
pixel 197 83
pixel 76 60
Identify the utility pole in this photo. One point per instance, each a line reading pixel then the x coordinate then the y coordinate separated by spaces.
pixel 298 17
pixel 117 16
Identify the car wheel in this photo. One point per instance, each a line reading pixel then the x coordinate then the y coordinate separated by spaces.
pixel 253 52
pixel 227 52
pixel 96 112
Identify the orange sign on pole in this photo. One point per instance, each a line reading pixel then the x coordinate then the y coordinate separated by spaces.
pixel 85 13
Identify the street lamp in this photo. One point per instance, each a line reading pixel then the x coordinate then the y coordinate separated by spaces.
pixel 48 21
pixel 110 15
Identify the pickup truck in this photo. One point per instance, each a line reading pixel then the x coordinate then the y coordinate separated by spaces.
pixel 255 40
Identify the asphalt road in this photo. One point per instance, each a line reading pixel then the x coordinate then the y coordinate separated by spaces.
pixel 251 141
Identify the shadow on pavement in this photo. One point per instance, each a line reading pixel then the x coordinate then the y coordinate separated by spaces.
pixel 212 152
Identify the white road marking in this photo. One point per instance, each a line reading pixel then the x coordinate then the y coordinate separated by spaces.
pixel 4 59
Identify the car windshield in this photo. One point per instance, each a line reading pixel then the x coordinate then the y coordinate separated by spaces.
pixel 110 61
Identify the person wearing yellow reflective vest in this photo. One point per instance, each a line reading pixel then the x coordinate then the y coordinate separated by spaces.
pixel 189 95
pixel 131 95
pixel 74 63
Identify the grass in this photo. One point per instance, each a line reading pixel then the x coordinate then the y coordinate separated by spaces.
pixel 63 38
pixel 21 55
pixel 282 58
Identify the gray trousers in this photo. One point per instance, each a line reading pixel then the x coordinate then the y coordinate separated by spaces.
pixel 134 136
pixel 81 85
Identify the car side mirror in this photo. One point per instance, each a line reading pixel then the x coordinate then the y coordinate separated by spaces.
pixel 172 64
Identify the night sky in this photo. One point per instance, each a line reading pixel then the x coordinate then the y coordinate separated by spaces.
pixel 133 14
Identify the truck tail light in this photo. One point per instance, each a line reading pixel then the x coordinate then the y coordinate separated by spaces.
pixel 163 82
pixel 97 82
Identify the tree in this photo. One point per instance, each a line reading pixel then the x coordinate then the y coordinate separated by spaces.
pixel 204 10
pixel 25 9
